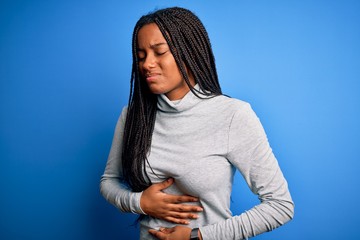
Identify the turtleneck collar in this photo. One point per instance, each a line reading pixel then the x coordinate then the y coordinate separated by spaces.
pixel 186 103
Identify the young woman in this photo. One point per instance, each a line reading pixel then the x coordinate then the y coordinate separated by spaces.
pixel 179 141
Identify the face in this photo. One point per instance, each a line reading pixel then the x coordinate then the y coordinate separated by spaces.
pixel 157 65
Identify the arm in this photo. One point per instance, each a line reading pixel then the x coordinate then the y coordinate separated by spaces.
pixel 250 153
pixel 151 201
pixel 112 186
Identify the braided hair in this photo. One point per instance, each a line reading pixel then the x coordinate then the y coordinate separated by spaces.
pixel 190 45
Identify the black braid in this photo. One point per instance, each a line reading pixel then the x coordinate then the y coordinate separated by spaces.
pixel 190 45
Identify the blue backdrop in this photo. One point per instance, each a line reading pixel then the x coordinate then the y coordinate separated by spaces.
pixel 65 70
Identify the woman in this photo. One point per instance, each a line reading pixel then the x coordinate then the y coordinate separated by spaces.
pixel 179 141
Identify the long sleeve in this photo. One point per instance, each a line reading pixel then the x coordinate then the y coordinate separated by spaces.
pixel 112 186
pixel 250 153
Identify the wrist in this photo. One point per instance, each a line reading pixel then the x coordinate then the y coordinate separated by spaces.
pixel 141 204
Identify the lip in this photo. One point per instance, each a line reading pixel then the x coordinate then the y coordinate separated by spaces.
pixel 151 77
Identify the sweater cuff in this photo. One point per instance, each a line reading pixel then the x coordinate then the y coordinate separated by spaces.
pixel 135 199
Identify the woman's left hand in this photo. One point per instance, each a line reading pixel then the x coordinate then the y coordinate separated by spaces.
pixel 175 233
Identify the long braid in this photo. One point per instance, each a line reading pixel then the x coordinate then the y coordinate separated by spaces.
pixel 190 45
pixel 187 31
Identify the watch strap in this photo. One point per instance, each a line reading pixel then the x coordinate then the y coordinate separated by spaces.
pixel 194 234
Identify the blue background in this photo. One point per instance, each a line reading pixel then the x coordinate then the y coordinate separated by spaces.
pixel 65 70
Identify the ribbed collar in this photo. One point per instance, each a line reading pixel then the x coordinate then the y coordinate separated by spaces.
pixel 186 103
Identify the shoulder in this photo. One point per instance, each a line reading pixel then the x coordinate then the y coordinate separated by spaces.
pixel 122 117
pixel 124 111
pixel 236 110
pixel 227 110
pixel 232 105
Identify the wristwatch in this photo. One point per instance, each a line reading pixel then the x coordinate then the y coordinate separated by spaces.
pixel 194 234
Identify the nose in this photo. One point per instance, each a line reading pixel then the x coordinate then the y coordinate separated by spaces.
pixel 149 62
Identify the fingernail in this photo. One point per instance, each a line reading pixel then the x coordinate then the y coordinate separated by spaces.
pixel 200 209
pixel 195 216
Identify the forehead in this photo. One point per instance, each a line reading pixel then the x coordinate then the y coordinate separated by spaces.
pixel 149 35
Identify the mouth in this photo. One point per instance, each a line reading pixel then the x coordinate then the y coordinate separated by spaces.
pixel 150 77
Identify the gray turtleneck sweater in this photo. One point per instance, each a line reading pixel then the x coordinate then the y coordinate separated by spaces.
pixel 200 143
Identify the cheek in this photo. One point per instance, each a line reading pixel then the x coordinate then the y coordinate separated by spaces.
pixel 171 69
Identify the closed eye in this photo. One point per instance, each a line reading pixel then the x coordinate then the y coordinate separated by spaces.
pixel 161 53
pixel 141 57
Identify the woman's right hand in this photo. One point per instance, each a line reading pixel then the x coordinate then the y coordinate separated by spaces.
pixel 156 203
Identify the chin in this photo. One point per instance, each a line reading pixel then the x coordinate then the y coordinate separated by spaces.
pixel 156 90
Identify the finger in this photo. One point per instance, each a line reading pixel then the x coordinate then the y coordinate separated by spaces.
pixel 165 230
pixel 181 199
pixel 165 184
pixel 157 234
pixel 181 215
pixel 186 208
pixel 177 220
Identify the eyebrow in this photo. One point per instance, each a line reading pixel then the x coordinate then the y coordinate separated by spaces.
pixel 154 46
